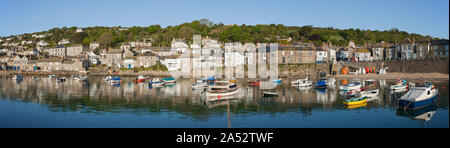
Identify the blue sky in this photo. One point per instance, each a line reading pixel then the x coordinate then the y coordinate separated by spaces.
pixel 426 17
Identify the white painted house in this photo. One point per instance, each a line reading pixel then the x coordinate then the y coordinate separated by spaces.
pixel 321 56
pixel 363 55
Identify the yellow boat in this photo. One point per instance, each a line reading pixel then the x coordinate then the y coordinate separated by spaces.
pixel 355 101
pixel 357 105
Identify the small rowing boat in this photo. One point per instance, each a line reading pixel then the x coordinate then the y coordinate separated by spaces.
pixel 355 100
pixel 221 90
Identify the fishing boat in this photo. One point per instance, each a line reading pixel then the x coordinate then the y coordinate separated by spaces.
pixel 17 77
pixel 219 90
pixel 418 97
pixel 270 94
pixel 370 93
pixel 169 80
pixel 199 85
pixel 355 100
pixel 115 80
pixel 320 85
pixel 302 82
pixel 156 82
pixel 351 86
pixel 140 79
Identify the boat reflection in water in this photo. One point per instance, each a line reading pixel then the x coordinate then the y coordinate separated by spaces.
pixel 423 114
pixel 183 106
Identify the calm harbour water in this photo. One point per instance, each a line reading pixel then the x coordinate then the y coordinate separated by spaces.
pixel 47 103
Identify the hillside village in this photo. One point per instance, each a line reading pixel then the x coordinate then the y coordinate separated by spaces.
pixel 17 56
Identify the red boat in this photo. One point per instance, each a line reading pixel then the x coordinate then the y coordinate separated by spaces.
pixel 140 79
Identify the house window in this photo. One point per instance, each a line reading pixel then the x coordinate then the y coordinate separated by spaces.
pixel 299 60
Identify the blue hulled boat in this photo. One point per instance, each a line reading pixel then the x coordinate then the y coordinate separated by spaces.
pixel 418 97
